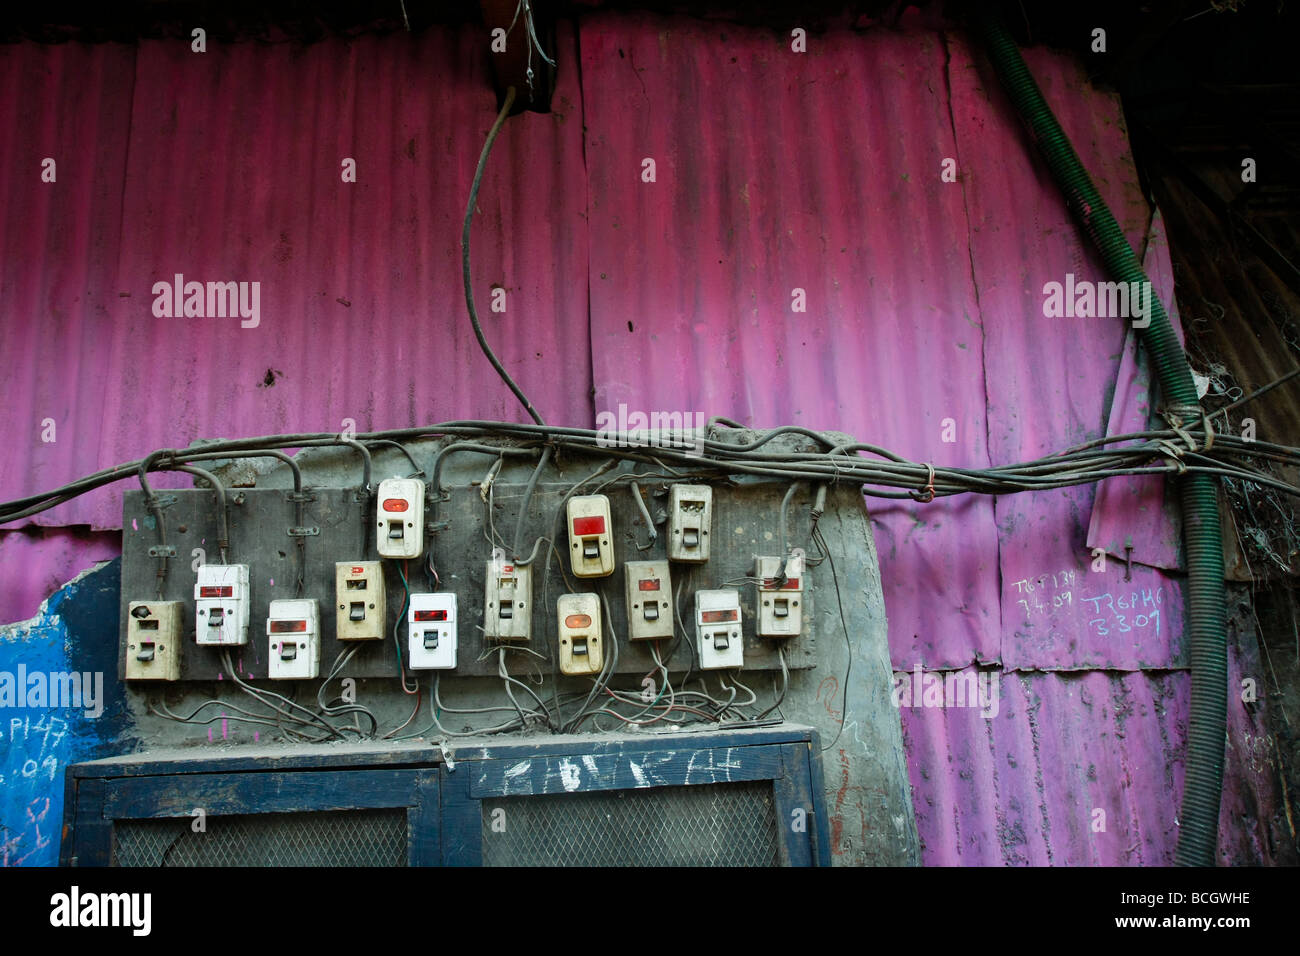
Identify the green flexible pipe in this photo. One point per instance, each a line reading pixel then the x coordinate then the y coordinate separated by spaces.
pixel 1207 617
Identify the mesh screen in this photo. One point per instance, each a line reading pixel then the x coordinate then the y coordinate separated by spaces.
pixel 708 825
pixel 332 838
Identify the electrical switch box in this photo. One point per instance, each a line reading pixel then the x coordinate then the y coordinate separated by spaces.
pixel 717 629
pixel 591 553
pixel 400 518
pixel 780 611
pixel 690 516
pixel 431 626
pixel 649 601
pixel 221 605
pixel 580 639
pixel 153 640
pixel 361 612
pixel 507 610
pixel 293 632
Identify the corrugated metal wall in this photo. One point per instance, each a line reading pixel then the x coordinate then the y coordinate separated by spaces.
pixel 774 172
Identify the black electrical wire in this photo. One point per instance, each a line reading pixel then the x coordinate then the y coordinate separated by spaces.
pixel 464 253
pixel 223 509
pixel 779 581
pixel 155 506
pixel 528 498
pixel 1158 453
pixel 418 472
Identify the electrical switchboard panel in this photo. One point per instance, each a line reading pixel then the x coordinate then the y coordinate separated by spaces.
pixel 508 600
pixel 284 545
pixel 400 523
pixel 360 603
pixel 780 613
pixel 590 533
pixel 717 629
pixel 293 638
pixel 649 596
pixel 581 650
pixel 431 625
pixel 221 605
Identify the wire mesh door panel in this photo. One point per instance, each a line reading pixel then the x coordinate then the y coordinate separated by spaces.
pixel 705 825
pixel 324 838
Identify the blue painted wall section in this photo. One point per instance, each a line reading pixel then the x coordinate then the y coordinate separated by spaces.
pixel 75 631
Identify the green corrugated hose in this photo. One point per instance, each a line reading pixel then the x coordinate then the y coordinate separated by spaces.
pixel 1199 818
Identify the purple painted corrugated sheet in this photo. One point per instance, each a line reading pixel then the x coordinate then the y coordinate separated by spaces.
pixel 227 166
pixel 1049 379
pixel 36 562
pixel 1084 769
pixel 778 171
pixel 774 172
pixel 924 303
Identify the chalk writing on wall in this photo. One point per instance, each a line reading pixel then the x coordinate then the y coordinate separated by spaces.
pixel 33 752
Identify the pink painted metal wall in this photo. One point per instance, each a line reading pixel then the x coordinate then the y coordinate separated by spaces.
pixel 774 172
pixel 821 172
pixel 227 167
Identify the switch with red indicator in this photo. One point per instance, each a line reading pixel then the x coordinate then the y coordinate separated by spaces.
pixel 507 610
pixel 780 611
pixel 359 601
pixel 399 527
pixel 591 553
pixel 293 632
pixel 649 601
pixel 431 631
pixel 690 518
pixel 581 650
pixel 221 605
pixel 718 635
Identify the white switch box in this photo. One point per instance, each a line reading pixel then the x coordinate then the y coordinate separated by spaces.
pixel 431 626
pixel 399 527
pixel 649 601
pixel 221 605
pixel 717 629
pixel 359 601
pixel 153 640
pixel 293 633
pixel 581 650
pixel 780 609
pixel 507 608
pixel 591 552
pixel 690 518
